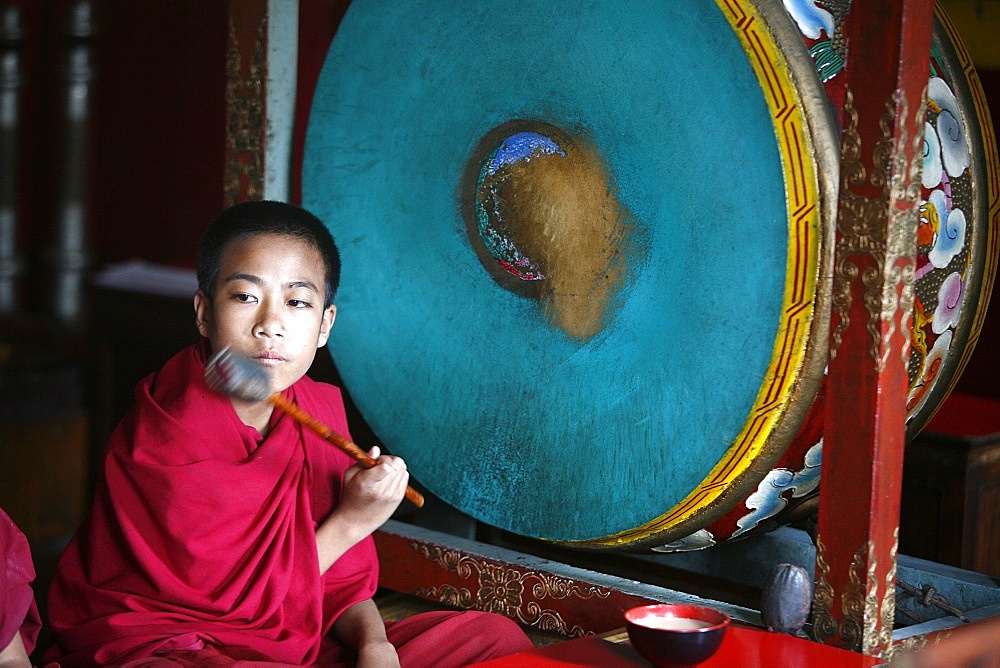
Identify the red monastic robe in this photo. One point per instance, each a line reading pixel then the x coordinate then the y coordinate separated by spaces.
pixel 18 609
pixel 202 535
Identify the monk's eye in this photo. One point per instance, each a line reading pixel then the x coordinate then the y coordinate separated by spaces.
pixel 244 297
pixel 299 303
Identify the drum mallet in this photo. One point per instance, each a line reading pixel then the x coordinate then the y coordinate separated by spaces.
pixel 232 374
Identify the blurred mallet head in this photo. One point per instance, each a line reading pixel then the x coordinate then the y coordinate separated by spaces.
pixel 232 374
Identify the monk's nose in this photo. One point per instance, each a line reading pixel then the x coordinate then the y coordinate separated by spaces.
pixel 269 324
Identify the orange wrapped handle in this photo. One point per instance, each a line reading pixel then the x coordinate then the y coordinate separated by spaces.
pixel 352 450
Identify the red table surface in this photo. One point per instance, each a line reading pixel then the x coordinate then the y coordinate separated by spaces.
pixel 742 646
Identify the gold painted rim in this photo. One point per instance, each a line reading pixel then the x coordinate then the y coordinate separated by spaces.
pixel 806 139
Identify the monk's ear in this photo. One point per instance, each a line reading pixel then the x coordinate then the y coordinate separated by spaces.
pixel 202 312
pixel 329 315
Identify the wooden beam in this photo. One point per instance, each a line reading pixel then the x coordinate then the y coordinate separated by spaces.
pixel 888 53
pixel 246 94
pixel 533 591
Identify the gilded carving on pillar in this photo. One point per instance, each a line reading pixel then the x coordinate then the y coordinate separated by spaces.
pixel 507 591
pixel 244 177
pixel 916 643
pixel 860 224
pixel 857 603
pixel 888 609
pixel 866 623
pixel 867 229
pixel 824 624
pixel 904 218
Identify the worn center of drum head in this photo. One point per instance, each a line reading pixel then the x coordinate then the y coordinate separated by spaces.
pixel 547 214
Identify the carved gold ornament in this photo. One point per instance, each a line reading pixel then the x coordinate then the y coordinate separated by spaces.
pixel 501 589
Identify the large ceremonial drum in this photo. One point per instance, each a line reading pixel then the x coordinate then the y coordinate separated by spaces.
pixel 587 254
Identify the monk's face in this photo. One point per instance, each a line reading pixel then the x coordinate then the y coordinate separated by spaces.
pixel 268 305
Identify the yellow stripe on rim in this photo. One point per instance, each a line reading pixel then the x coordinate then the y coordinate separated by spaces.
pixel 802 192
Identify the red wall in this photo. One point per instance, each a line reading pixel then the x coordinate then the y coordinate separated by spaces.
pixel 157 126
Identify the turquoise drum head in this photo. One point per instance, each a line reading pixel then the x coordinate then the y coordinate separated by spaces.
pixel 585 252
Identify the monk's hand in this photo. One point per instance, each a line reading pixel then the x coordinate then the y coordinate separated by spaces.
pixel 375 492
pixel 369 497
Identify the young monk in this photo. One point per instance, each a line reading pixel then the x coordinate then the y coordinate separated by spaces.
pixel 19 619
pixel 222 530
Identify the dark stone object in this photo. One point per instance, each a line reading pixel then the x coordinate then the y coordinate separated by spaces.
pixel 786 599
